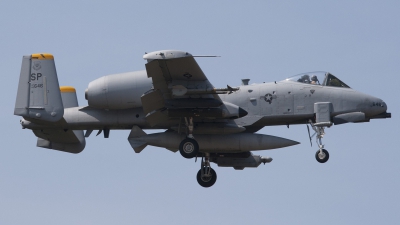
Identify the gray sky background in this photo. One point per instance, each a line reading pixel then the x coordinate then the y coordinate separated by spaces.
pixel 358 41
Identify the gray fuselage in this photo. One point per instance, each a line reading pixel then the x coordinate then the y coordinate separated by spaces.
pixel 279 103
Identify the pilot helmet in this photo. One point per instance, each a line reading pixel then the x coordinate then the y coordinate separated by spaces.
pixel 305 78
pixel 314 78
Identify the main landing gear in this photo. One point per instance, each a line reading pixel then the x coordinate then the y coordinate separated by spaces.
pixel 189 148
pixel 206 176
pixel 322 155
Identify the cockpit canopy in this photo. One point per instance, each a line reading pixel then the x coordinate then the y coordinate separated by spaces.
pixel 318 78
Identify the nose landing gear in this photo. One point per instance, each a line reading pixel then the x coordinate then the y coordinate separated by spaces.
pixel 322 155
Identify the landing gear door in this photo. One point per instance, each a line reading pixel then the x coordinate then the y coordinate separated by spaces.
pixel 322 112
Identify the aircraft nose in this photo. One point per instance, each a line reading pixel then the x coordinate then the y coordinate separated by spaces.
pixel 384 106
pixel 380 103
pixel 378 106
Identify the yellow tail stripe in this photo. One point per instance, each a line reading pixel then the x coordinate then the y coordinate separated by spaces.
pixel 42 56
pixel 64 89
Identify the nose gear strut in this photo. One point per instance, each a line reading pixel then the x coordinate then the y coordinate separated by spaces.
pixel 322 155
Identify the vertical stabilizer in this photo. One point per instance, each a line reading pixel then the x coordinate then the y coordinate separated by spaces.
pixel 38 94
pixel 68 96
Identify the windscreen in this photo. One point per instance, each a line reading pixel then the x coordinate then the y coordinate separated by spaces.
pixel 333 81
pixel 318 78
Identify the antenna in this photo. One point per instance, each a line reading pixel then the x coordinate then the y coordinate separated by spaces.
pixel 206 56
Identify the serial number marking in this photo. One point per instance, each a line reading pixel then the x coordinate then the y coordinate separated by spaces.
pixel 36 85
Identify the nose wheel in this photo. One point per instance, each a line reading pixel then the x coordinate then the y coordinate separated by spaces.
pixel 322 156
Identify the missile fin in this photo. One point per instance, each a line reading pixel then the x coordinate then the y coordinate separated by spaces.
pixel 136 132
pixel 137 146
pixel 134 139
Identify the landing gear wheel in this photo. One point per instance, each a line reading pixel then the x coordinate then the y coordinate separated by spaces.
pixel 189 148
pixel 206 179
pixel 322 157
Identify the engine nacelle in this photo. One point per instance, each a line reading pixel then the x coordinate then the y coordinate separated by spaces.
pixel 118 91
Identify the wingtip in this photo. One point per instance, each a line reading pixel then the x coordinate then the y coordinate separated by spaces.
pixel 166 54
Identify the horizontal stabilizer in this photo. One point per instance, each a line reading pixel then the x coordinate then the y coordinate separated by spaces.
pixel 71 141
pixel 137 145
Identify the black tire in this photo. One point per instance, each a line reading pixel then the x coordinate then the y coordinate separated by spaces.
pixel 207 182
pixel 189 148
pixel 324 159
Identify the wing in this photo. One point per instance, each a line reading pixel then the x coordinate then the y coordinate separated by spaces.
pixel 181 90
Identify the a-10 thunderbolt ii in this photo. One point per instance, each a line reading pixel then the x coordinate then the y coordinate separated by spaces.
pixel 218 125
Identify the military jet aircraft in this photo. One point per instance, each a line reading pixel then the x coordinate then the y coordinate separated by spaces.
pixel 218 125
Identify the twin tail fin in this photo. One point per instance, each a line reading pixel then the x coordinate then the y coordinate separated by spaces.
pixel 39 95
